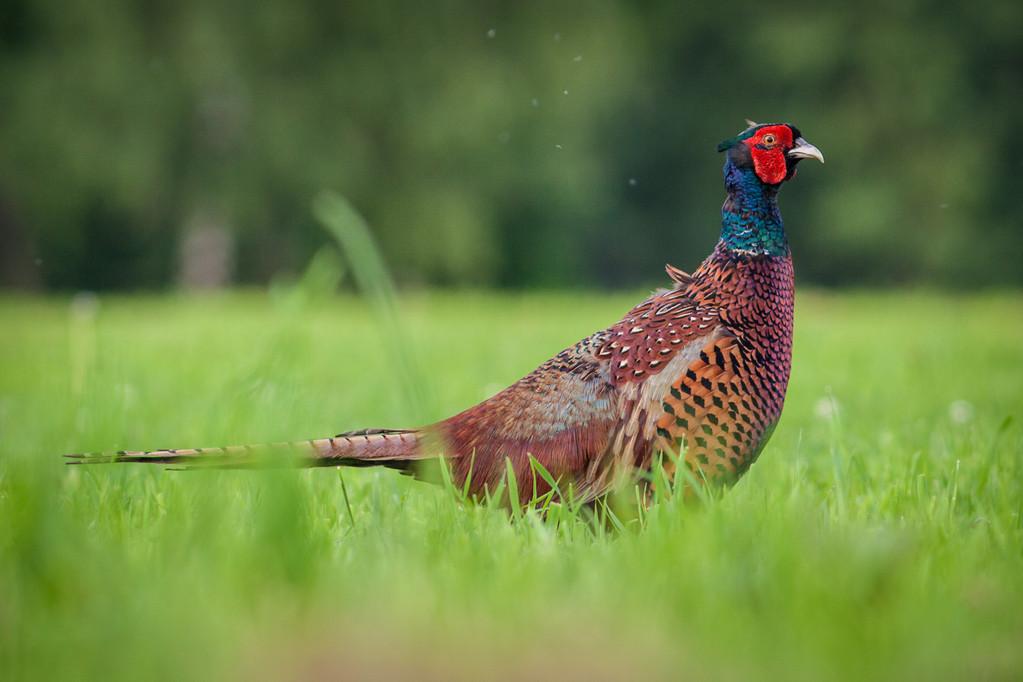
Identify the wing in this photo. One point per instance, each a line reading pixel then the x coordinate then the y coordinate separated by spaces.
pixel 652 347
pixel 588 414
pixel 687 382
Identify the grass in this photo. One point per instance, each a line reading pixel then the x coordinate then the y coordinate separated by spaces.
pixel 879 536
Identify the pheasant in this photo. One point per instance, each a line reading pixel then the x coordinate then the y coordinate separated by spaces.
pixel 698 370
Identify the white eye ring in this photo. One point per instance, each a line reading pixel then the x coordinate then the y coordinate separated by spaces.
pixel 769 139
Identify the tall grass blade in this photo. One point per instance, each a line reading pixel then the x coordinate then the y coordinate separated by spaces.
pixel 374 282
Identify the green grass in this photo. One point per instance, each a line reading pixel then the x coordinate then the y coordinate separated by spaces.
pixel 879 536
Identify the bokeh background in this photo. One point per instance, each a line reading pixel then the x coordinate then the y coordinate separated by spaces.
pixel 148 145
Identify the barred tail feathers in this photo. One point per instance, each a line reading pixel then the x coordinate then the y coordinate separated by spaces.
pixel 393 448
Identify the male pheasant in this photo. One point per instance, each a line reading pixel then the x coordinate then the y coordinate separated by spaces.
pixel 700 368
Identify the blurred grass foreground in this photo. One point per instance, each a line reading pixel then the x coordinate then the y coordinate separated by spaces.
pixel 879 536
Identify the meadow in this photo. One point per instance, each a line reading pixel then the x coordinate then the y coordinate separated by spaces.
pixel 879 536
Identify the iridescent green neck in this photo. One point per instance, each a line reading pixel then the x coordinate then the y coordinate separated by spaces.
pixel 750 219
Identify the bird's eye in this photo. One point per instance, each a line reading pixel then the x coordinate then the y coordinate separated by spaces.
pixel 768 139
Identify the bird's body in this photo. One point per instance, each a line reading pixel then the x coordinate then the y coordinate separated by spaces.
pixel 699 369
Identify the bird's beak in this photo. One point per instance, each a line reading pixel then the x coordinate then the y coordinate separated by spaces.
pixel 805 150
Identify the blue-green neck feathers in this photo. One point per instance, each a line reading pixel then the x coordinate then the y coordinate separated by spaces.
pixel 750 219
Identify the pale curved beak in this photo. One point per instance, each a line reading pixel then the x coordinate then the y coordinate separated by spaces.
pixel 805 150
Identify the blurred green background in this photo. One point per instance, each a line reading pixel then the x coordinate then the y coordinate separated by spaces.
pixel 150 144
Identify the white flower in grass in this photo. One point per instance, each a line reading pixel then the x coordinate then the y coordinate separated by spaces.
pixel 826 407
pixel 960 411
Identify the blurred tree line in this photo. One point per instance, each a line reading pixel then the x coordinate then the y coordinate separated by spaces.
pixel 501 144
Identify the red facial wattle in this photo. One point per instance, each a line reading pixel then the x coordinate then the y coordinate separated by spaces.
pixel 768 148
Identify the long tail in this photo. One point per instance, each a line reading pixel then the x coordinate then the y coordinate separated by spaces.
pixel 393 448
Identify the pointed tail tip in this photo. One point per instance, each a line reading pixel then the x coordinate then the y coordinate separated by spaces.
pixel 77 458
pixel 89 458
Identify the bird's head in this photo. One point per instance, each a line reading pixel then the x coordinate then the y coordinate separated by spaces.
pixel 772 150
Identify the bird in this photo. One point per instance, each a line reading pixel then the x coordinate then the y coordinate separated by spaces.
pixel 697 372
